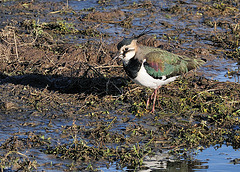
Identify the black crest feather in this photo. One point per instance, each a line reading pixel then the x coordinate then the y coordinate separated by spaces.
pixel 127 41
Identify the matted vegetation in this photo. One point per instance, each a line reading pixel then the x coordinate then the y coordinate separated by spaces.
pixel 70 101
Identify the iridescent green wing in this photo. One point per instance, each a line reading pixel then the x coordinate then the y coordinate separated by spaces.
pixel 163 63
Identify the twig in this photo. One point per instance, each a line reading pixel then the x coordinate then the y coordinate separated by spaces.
pixel 113 66
pixel 15 41
pixel 100 47
pixel 50 60
pixel 111 123
pixel 99 74
pixel 20 45
pixel 113 85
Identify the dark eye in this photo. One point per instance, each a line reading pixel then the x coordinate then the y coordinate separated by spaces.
pixel 126 49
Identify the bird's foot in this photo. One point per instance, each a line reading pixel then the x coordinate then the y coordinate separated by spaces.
pixel 153 109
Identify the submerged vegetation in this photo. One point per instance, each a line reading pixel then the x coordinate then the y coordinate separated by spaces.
pixel 71 103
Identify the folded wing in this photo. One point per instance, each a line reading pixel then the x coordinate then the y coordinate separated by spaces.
pixel 162 63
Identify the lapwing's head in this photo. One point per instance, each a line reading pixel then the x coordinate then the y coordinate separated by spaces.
pixel 127 49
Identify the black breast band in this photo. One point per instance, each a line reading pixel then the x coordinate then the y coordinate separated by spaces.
pixel 132 67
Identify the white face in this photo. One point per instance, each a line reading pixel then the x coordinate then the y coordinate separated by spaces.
pixel 126 53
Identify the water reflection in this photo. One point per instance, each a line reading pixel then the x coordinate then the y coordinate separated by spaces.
pixel 165 162
pixel 215 158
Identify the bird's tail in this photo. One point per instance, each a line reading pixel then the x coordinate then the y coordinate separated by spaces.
pixel 195 63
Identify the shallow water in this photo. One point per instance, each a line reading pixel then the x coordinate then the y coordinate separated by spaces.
pixel 223 70
pixel 213 159
pixel 220 159
pixel 216 69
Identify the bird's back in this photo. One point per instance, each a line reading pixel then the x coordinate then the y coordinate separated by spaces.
pixel 159 63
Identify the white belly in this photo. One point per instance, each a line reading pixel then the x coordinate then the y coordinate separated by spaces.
pixel 143 78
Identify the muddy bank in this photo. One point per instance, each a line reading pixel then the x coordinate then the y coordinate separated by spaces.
pixel 64 99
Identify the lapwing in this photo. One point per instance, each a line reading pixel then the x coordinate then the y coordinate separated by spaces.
pixel 153 67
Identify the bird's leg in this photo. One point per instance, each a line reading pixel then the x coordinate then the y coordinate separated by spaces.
pixel 152 94
pixel 149 98
pixel 154 100
pixel 155 96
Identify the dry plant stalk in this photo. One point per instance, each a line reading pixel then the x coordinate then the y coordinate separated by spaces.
pixel 12 40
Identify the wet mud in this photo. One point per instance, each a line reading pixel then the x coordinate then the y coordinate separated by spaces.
pixel 66 105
